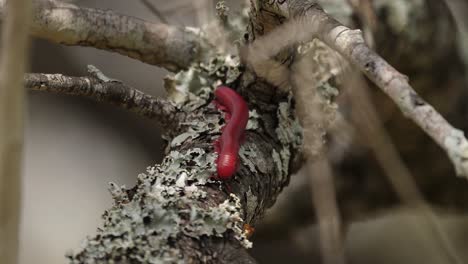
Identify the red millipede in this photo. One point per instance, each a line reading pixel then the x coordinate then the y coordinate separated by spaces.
pixel 230 140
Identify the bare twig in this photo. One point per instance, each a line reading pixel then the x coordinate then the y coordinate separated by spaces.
pixel 151 7
pixel 308 20
pixel 100 88
pixel 351 44
pixel 12 67
pixel 167 46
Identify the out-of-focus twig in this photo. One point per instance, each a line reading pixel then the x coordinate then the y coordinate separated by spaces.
pixel 364 115
pixel 328 217
pixel 368 18
pixel 316 112
pixel 12 67
pixel 308 20
pixel 102 89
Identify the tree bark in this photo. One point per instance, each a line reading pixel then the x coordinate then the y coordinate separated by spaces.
pixel 178 211
pixel 171 47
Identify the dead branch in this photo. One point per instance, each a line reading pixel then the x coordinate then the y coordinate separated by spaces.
pixel 14 54
pixel 171 47
pixel 308 20
pixel 109 91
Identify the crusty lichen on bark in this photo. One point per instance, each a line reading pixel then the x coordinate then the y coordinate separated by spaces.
pixel 179 203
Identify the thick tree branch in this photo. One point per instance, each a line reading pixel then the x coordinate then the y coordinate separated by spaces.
pixel 14 54
pixel 109 91
pixel 167 46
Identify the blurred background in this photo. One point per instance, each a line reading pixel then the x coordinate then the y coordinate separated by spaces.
pixel 74 147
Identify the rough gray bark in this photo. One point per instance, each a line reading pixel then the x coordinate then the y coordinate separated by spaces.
pixel 171 47
pixel 103 89
pixel 177 211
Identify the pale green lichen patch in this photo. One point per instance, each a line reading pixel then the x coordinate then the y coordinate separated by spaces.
pixel 190 88
pixel 190 91
pixel 254 117
pixel 166 204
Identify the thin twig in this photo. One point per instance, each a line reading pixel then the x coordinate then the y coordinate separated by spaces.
pixel 154 10
pixel 171 47
pixel 328 217
pixel 103 89
pixel 316 113
pixel 12 67
pixel 364 114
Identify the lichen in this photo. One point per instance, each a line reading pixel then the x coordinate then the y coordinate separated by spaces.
pixel 164 207
pixel 169 200
pixel 191 88
pixel 254 117
pixel 289 131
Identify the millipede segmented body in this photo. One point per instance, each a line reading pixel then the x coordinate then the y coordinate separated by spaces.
pixel 230 140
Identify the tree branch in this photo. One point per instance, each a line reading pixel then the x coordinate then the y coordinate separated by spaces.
pixel 171 47
pixel 14 54
pixel 350 43
pixel 110 91
pixel 178 211
pixel 308 20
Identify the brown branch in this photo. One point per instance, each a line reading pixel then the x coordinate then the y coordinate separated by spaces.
pixel 110 91
pixel 167 46
pixel 12 67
